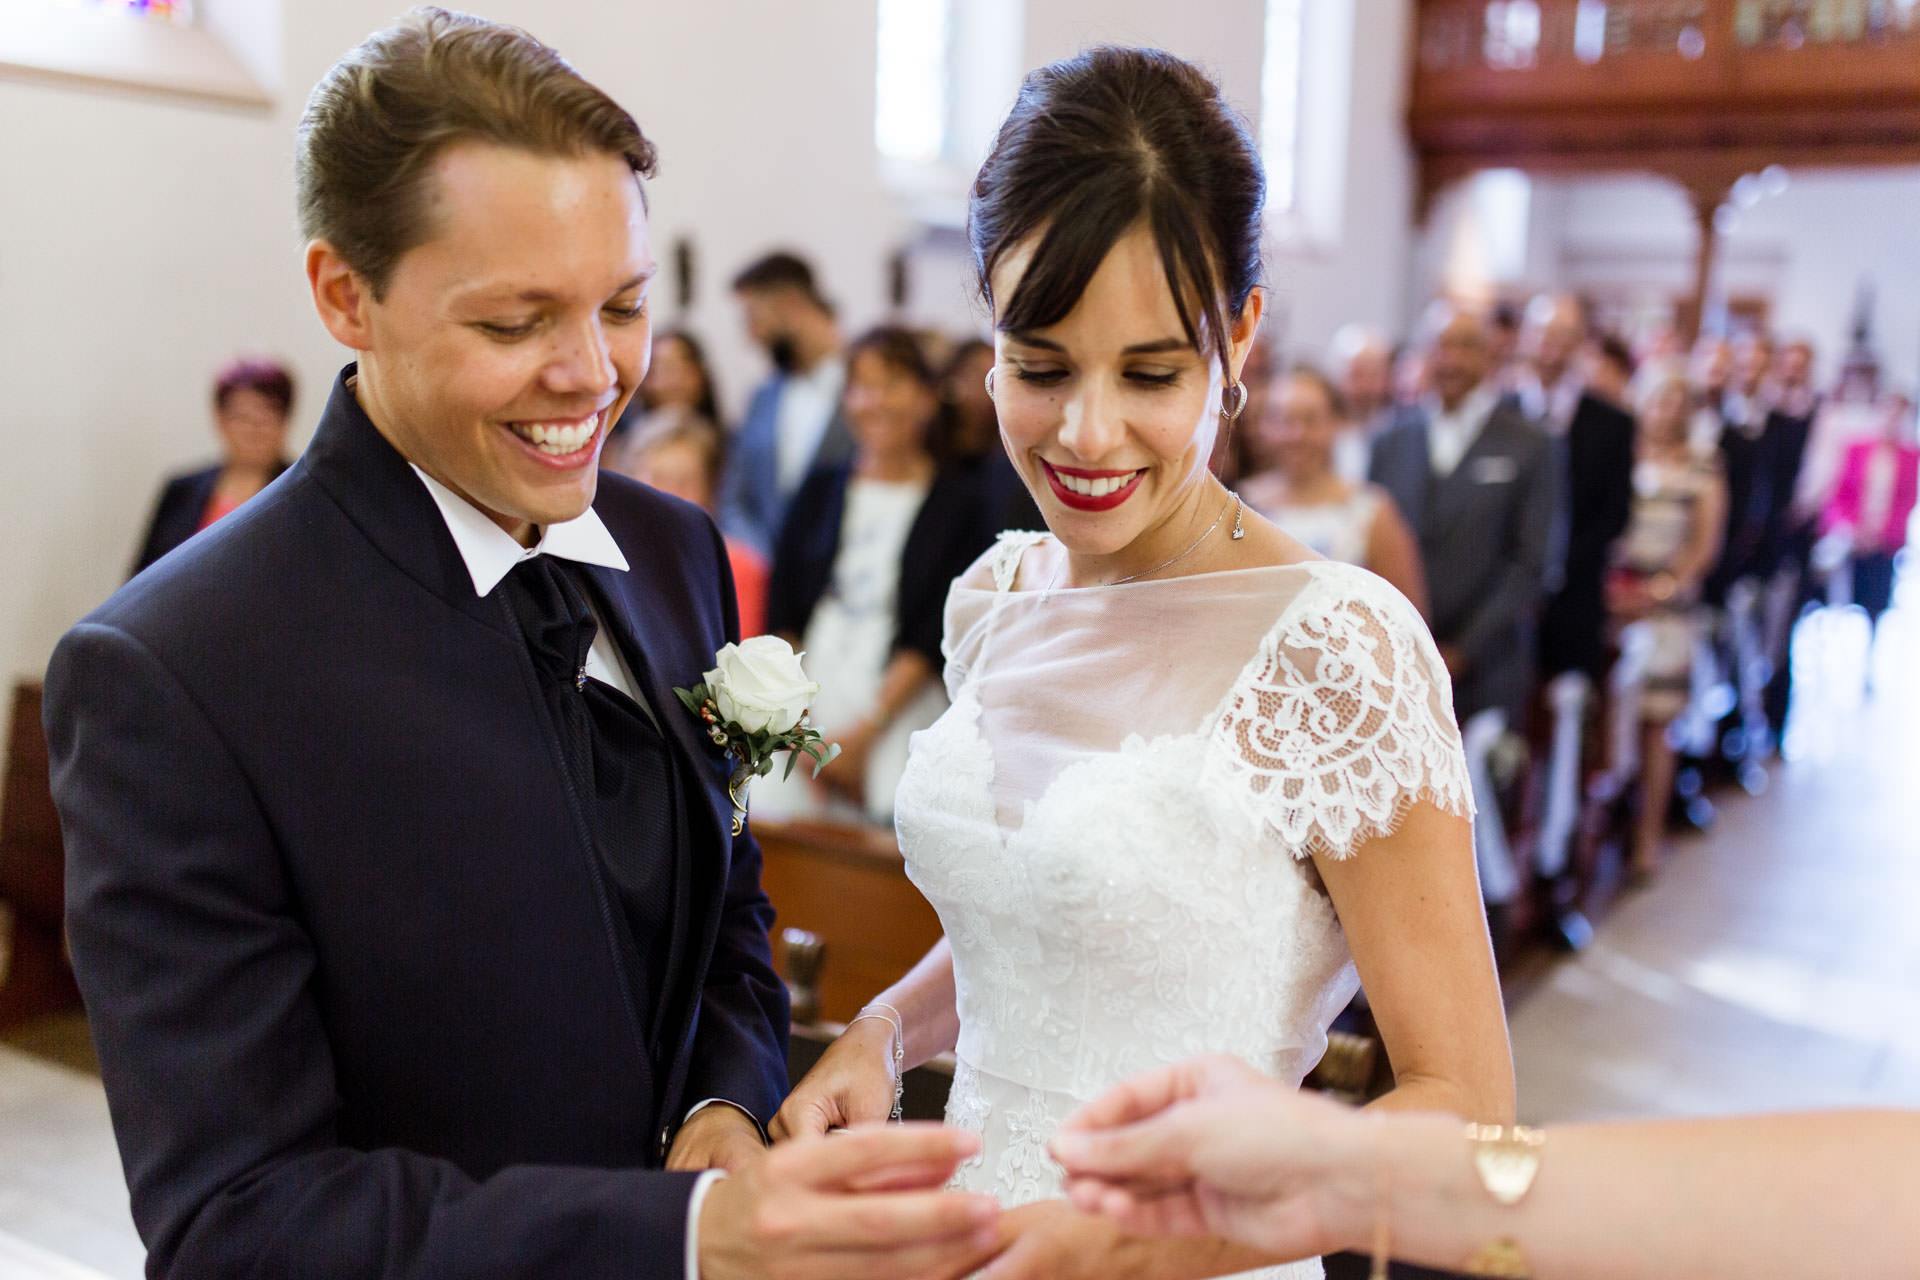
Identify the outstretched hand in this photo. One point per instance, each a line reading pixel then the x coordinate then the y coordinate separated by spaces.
pixel 1212 1147
pixel 863 1205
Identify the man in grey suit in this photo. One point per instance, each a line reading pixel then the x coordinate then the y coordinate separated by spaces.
pixel 794 423
pixel 1481 489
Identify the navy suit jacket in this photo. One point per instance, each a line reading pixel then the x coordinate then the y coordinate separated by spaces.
pixel 752 507
pixel 345 948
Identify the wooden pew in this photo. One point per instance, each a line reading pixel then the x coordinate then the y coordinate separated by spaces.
pixel 35 977
pixel 846 886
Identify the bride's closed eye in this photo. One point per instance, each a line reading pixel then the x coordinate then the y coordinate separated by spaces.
pixel 1040 377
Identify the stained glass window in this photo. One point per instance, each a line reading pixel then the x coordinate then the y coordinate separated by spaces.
pixel 178 11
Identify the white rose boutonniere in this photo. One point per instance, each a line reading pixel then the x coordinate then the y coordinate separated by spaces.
pixel 754 706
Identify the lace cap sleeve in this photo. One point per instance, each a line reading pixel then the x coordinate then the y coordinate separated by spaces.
pixel 1342 721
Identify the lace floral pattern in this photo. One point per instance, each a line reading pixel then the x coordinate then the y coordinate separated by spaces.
pixel 1343 720
pixel 1130 907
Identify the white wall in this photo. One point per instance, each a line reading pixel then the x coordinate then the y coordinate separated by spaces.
pixel 144 241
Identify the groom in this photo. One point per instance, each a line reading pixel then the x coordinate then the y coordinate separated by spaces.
pixel 401 886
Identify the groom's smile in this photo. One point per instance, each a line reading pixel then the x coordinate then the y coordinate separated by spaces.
pixel 506 342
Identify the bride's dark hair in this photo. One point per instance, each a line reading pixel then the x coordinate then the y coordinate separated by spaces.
pixel 1104 140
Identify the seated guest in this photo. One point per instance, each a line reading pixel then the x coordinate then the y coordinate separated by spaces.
pixel 1309 499
pixel 1672 538
pixel 1610 370
pixel 679 378
pixel 1595 443
pixel 251 402
pixel 681 455
pixel 1873 504
pixel 794 423
pixel 860 578
pixel 1480 487
pixel 975 437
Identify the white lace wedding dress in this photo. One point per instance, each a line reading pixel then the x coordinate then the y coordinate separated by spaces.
pixel 1115 820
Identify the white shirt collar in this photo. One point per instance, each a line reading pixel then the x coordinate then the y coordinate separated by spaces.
pixel 1470 415
pixel 490 552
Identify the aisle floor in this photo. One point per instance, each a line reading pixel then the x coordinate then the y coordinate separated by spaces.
pixel 1775 963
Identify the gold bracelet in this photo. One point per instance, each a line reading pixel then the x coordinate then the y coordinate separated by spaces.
pixel 1507 1159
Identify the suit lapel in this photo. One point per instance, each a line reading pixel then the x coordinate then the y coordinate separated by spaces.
pixel 646 641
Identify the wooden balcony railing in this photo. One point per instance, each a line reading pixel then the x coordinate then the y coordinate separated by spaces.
pixel 1700 89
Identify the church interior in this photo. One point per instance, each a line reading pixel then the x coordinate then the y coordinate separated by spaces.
pixel 1712 197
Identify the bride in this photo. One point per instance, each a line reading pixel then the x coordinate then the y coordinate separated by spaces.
pixel 1193 777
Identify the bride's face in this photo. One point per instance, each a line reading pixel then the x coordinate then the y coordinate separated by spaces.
pixel 1110 414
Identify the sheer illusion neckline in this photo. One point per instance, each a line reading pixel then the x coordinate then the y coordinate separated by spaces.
pixel 1016 588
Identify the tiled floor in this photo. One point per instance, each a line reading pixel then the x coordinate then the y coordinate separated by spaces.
pixel 1774 964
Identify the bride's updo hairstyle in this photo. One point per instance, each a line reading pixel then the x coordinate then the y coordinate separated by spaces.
pixel 1102 141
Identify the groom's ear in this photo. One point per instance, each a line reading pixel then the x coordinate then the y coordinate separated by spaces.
pixel 341 296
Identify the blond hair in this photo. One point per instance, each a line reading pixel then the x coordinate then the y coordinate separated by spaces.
pixel 380 116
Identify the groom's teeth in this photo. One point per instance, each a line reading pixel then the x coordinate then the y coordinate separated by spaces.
pixel 558 439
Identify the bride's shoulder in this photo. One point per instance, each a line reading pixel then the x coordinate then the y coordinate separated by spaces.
pixel 999 565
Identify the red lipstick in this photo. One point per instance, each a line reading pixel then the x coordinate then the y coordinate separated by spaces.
pixel 1085 502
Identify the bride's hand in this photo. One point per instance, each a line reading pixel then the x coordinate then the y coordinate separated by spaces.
pixel 851 1084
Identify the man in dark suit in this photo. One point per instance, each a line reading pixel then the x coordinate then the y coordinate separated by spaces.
pixel 402 891
pixel 1595 445
pixel 794 424
pixel 1479 486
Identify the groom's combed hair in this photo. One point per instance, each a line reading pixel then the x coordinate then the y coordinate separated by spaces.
pixel 1102 142
pixel 379 118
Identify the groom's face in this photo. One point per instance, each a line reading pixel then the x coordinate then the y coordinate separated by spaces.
pixel 508 342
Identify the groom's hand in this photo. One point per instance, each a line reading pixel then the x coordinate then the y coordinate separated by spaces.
pixel 862 1205
pixel 718 1136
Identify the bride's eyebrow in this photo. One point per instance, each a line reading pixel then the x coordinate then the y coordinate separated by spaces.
pixel 1159 346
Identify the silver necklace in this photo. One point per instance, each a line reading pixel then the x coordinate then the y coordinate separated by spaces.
pixel 1239 532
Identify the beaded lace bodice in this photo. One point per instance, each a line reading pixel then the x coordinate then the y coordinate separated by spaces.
pixel 1116 821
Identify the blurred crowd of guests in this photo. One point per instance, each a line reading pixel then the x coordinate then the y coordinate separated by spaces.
pixel 1610 545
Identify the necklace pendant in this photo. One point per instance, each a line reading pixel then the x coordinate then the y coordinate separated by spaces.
pixel 1239 518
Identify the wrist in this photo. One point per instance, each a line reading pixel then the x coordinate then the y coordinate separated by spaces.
pixel 1384 1169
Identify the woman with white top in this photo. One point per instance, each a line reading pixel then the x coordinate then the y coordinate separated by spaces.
pixel 1304 493
pixel 860 573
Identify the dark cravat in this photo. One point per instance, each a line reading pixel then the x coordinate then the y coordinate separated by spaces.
pixel 622 771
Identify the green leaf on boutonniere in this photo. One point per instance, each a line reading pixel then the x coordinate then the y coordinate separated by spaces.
pixel 692 698
pixel 821 759
pixel 793 758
